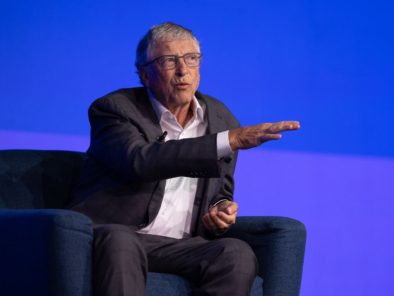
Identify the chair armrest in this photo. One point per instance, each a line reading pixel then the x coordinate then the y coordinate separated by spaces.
pixel 279 245
pixel 45 252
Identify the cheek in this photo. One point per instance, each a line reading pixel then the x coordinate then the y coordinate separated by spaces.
pixel 161 86
pixel 160 80
pixel 197 79
pixel 165 80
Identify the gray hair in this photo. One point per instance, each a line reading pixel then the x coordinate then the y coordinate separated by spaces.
pixel 164 31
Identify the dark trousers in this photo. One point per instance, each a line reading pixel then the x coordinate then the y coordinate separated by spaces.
pixel 122 258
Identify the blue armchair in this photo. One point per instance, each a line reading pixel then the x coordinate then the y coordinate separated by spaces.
pixel 46 250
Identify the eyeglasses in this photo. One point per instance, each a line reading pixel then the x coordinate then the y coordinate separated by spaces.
pixel 168 62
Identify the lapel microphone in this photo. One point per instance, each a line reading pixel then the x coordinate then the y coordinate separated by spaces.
pixel 162 137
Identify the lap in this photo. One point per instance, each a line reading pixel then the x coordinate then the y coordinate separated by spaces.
pixel 225 266
pixel 183 256
pixel 186 257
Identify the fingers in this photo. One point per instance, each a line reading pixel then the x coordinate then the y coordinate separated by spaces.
pixel 227 206
pixel 231 208
pixel 269 137
pixel 252 136
pixel 213 223
pixel 208 223
pixel 221 219
pixel 219 223
pixel 282 126
pixel 226 218
pixel 270 131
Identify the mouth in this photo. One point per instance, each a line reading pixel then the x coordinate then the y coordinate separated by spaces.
pixel 182 85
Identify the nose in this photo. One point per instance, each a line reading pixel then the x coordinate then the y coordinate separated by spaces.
pixel 181 67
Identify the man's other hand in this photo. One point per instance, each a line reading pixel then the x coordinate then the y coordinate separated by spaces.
pixel 252 136
pixel 221 217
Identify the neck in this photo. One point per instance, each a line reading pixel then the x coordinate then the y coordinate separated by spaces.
pixel 182 113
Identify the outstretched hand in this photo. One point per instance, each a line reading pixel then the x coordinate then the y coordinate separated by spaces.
pixel 221 216
pixel 252 136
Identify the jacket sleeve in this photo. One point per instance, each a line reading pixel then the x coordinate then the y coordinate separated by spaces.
pixel 226 187
pixel 119 143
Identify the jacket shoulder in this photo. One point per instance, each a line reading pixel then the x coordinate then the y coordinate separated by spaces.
pixel 121 101
pixel 219 108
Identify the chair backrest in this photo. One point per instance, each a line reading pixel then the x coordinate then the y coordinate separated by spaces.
pixel 38 178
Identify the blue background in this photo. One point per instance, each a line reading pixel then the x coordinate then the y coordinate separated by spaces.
pixel 329 64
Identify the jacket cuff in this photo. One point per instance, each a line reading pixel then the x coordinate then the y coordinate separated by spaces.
pixel 218 202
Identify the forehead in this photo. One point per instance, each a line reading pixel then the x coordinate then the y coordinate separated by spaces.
pixel 172 47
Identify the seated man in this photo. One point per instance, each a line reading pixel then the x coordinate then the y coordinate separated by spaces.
pixel 158 182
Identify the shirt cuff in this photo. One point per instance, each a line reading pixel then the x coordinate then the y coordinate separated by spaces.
pixel 223 145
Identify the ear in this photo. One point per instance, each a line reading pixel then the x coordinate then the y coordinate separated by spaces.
pixel 144 76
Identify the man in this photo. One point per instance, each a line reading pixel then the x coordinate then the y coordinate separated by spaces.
pixel 158 182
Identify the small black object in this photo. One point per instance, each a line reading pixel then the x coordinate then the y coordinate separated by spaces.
pixel 162 137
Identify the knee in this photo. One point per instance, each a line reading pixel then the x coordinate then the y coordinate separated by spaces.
pixel 118 259
pixel 115 238
pixel 238 254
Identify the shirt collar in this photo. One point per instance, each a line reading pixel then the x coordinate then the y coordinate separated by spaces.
pixel 198 111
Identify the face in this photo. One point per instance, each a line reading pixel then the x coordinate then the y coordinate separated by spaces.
pixel 174 88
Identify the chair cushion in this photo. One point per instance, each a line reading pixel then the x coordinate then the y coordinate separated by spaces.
pixel 45 252
pixel 37 178
pixel 172 285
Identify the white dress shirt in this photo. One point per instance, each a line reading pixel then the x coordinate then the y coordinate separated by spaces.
pixel 175 213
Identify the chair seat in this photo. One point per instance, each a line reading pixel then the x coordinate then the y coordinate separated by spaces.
pixel 46 250
pixel 172 285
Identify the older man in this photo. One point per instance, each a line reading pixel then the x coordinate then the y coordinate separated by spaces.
pixel 158 182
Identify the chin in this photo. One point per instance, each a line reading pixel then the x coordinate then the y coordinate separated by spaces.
pixel 184 98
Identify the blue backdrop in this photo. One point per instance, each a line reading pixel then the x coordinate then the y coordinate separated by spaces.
pixel 329 64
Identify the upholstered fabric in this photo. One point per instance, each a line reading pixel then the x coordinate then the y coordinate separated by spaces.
pixel 279 245
pixel 37 179
pixel 166 284
pixel 46 250
pixel 172 285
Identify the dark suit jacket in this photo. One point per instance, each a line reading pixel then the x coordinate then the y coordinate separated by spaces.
pixel 124 176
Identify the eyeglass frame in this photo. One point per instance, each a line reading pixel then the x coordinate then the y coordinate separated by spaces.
pixel 176 60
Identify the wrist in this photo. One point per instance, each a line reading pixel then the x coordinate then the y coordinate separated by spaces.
pixel 232 138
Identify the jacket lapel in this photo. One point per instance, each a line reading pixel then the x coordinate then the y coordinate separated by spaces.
pixel 148 121
pixel 216 123
pixel 206 185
